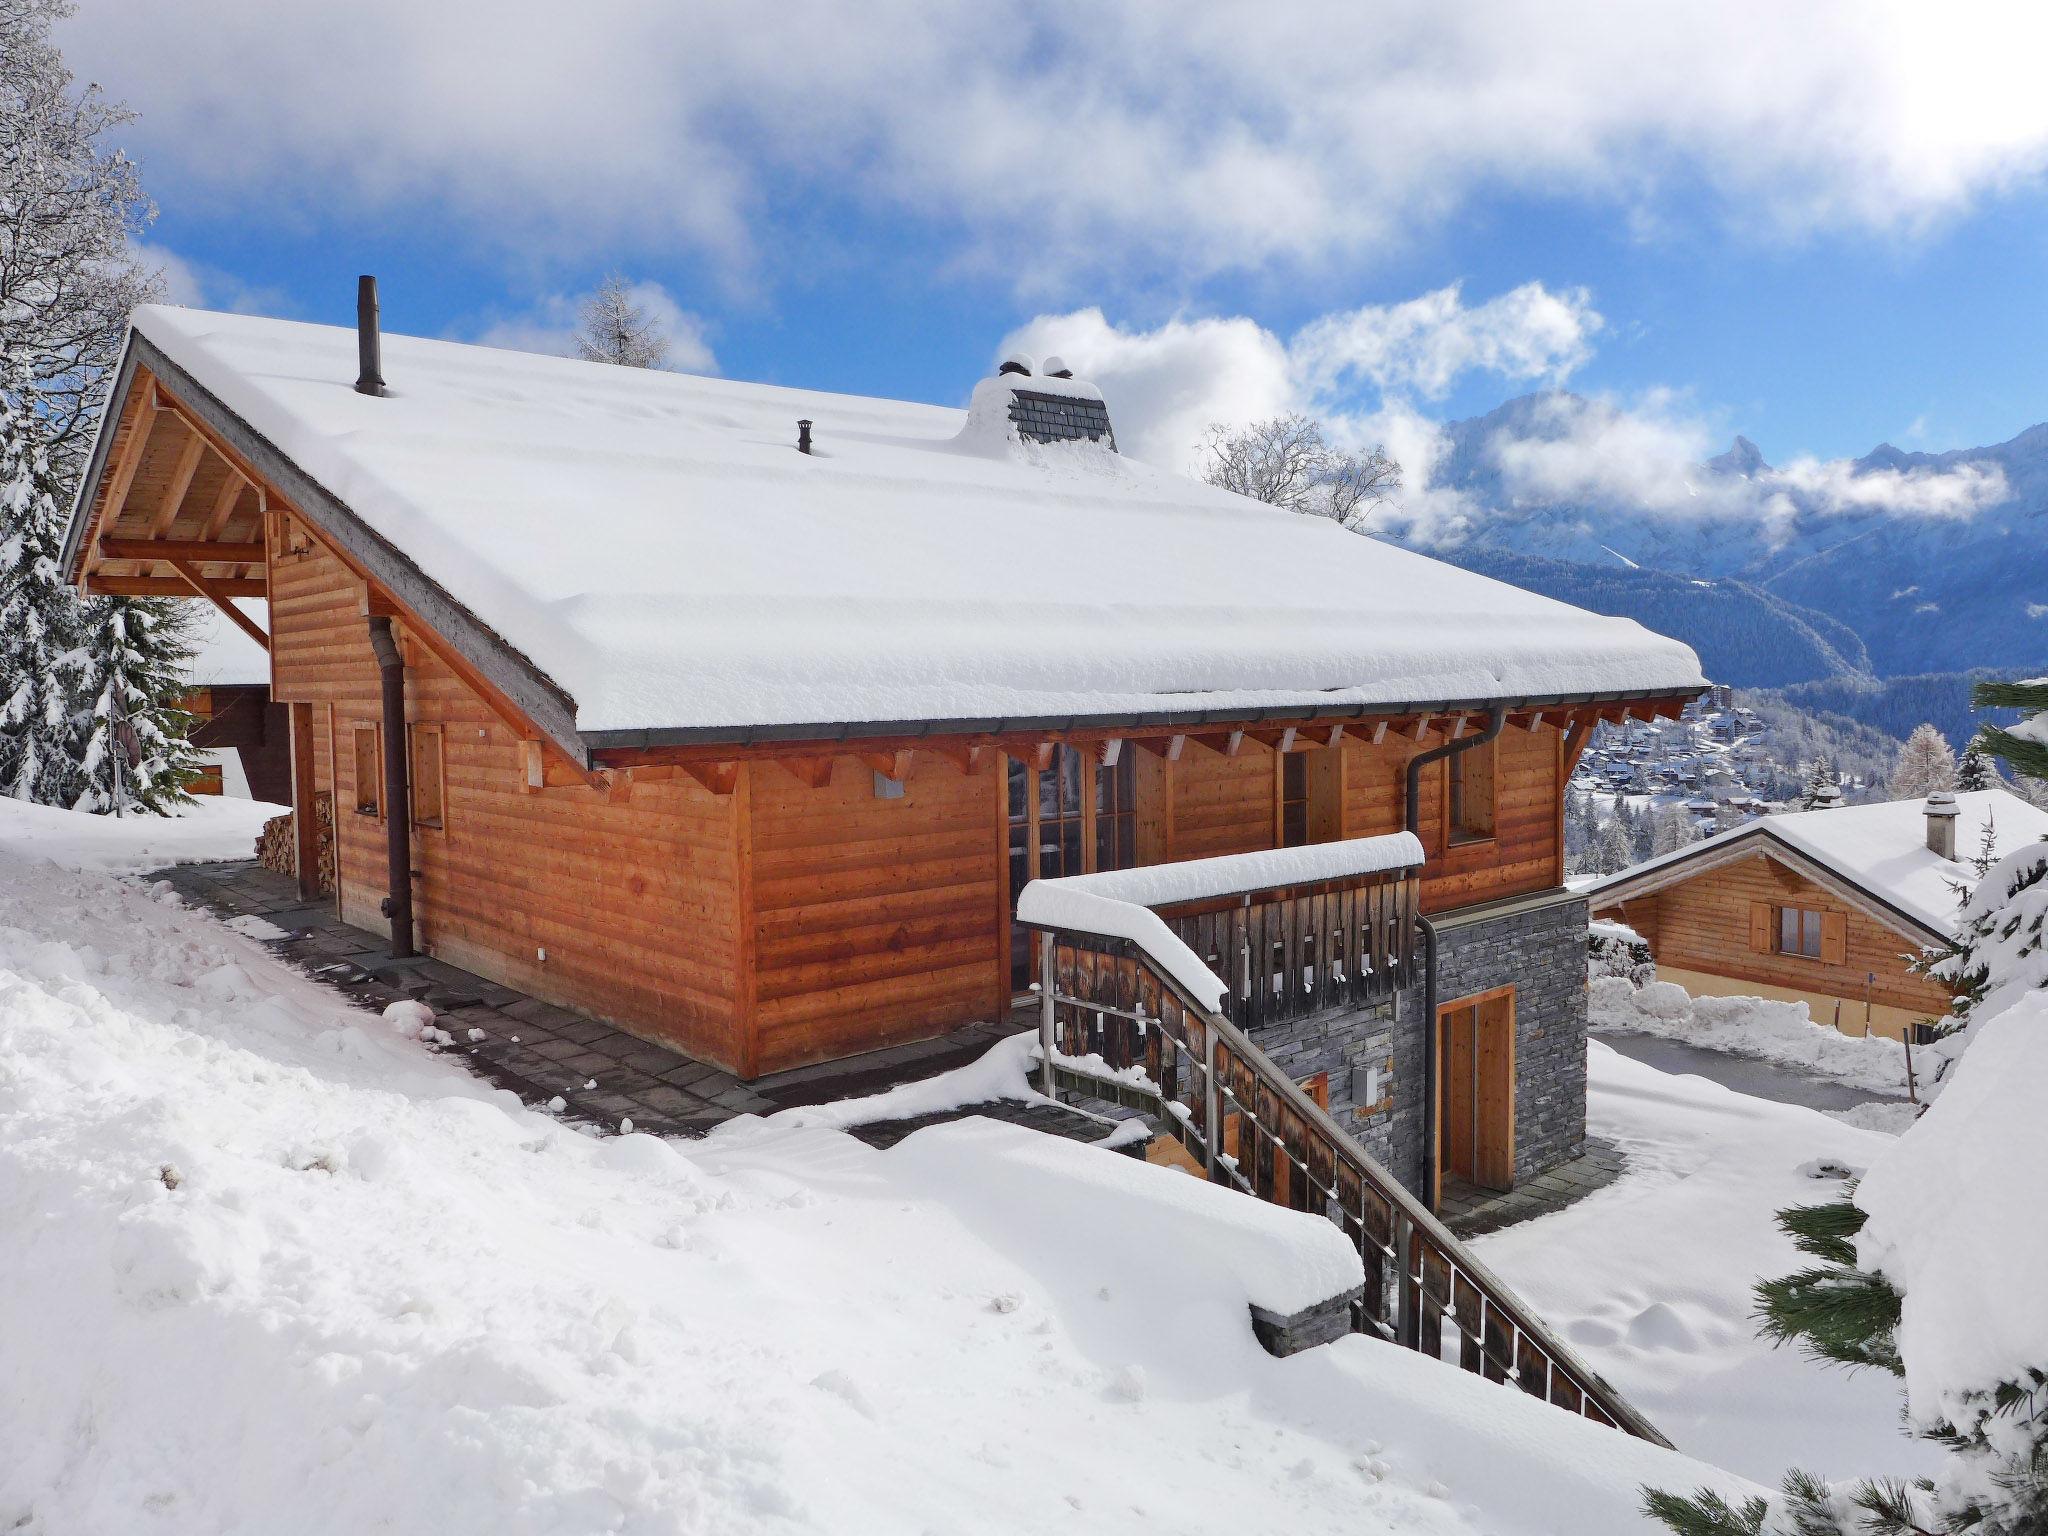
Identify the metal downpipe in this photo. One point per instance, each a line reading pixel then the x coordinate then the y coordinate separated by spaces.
pixel 397 802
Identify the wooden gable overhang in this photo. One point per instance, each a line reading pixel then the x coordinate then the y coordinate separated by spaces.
pixel 1761 842
pixel 182 498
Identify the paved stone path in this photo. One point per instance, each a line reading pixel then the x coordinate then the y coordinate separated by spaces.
pixel 1470 1211
pixel 1759 1079
pixel 602 1074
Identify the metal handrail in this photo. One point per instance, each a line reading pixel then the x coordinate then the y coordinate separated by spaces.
pixel 1437 1277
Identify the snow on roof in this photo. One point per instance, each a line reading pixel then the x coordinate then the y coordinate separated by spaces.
pixel 1880 848
pixel 654 543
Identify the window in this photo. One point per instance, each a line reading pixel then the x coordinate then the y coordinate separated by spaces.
pixel 426 775
pixel 1469 810
pixel 1050 833
pixel 1116 812
pixel 1293 799
pixel 1799 932
pixel 369 770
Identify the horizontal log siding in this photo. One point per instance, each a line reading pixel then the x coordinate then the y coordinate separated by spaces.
pixel 1702 924
pixel 875 920
pixel 1222 804
pixel 635 902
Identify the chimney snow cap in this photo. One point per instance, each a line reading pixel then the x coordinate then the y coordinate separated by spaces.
pixel 1941 813
pixel 1018 363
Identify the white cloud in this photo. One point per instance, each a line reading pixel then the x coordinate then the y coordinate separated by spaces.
pixel 1171 383
pixel 550 326
pixel 1529 334
pixel 1079 139
pixel 197 285
pixel 1356 372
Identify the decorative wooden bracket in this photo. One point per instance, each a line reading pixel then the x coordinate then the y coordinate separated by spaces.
pixel 718 777
pixel 1170 748
pixel 811 772
pixel 890 765
pixel 1336 736
pixel 1108 750
pixel 968 757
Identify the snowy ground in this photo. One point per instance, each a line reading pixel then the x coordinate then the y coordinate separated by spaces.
pixel 213 827
pixel 271 1265
pixel 1651 1276
pixel 1757 1027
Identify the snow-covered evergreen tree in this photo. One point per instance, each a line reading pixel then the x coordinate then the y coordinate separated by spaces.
pixel 39 616
pixel 67 209
pixel 1822 787
pixel 1672 827
pixel 2024 744
pixel 1925 763
pixel 1973 769
pixel 616 328
pixel 135 652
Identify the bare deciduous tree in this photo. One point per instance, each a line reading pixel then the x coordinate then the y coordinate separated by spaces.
pixel 67 209
pixel 1289 462
pixel 616 328
pixel 1925 764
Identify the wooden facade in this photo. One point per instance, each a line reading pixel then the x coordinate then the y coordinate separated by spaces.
pixel 1722 929
pixel 761 906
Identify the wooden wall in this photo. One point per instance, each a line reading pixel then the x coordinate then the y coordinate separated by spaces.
pixel 635 903
pixel 1703 924
pixel 875 920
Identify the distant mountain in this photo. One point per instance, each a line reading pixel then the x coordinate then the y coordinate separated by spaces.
pixel 1915 593
pixel 1741 632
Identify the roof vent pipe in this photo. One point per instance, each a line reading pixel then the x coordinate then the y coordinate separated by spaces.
pixel 1056 368
pixel 1016 362
pixel 369 339
pixel 803 436
pixel 1941 812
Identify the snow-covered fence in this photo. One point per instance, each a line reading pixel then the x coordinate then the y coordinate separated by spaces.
pixel 1130 1013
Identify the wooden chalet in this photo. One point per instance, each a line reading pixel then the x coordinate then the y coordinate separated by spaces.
pixel 740 716
pixel 1823 907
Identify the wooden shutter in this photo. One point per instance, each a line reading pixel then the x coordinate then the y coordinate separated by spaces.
pixel 1762 919
pixel 1834 938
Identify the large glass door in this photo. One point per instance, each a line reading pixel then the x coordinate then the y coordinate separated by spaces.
pixel 1073 817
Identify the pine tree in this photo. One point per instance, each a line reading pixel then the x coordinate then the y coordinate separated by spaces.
pixel 1925 764
pixel 135 650
pixel 616 328
pixel 1974 771
pixel 1822 787
pixel 2024 744
pixel 40 661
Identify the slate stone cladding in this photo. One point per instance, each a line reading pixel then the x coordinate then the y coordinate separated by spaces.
pixel 1043 418
pixel 1541 953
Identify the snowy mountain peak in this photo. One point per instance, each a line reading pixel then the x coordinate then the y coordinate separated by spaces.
pixel 1744 458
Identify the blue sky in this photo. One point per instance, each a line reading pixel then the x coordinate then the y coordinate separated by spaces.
pixel 1820 232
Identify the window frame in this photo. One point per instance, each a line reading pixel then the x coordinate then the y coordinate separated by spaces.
pixel 1456 789
pixel 369 791
pixel 418 733
pixel 1805 920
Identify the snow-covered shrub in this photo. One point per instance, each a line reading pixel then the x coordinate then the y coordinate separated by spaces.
pixel 1615 949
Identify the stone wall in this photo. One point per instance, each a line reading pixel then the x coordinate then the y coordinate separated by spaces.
pixel 1540 951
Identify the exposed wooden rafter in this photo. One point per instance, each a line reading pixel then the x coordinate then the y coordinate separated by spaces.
pixel 101 584
pixel 890 765
pixel 231 488
pixel 200 550
pixel 211 592
pixel 718 777
pixel 811 772
pixel 181 481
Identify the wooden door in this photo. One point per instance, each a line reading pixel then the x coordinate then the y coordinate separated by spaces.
pixel 1476 1090
pixel 1074 817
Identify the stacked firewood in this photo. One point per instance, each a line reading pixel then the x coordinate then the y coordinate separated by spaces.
pixel 277 846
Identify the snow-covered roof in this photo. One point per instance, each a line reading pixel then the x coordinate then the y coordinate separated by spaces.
pixel 655 546
pixel 1880 849
pixel 222 653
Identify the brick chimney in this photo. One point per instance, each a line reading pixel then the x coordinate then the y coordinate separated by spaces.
pixel 1941 824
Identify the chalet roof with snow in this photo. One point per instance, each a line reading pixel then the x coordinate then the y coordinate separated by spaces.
pixel 657 554
pixel 1874 855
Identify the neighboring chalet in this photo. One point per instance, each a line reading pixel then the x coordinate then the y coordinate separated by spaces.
pixel 245 737
pixel 741 715
pixel 1821 907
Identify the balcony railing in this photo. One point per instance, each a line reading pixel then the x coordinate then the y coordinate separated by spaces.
pixel 1131 1013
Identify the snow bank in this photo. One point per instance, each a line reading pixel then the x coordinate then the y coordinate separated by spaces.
pixel 271 1265
pixel 214 827
pixel 1956 1222
pixel 1757 1027
pixel 739 582
pixel 1650 1279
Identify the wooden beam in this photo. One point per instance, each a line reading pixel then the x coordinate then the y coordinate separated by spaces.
pixel 890 765
pixel 1457 727
pixel 211 593
pixel 1421 727
pixel 1108 750
pixel 231 488
pixel 1379 732
pixel 969 757
pixel 1575 744
pixel 718 777
pixel 811 772
pixel 101 584
pixel 200 550
pixel 1168 747
pixel 123 478
pixel 533 763
pixel 181 482
pixel 1229 743
pixel 1336 736
pixel 1534 723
